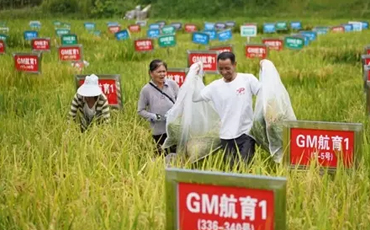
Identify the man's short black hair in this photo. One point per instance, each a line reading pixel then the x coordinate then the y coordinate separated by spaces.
pixel 225 56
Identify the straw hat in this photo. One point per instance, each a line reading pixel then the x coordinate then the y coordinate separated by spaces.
pixel 90 88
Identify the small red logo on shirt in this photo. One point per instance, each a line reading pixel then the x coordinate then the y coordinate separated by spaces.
pixel 240 91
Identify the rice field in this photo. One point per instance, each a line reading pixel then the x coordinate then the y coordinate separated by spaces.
pixel 54 177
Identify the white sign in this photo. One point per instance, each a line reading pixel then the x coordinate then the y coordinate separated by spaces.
pixel 357 26
pixel 248 30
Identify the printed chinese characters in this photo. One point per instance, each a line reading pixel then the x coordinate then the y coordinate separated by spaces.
pixel 208 61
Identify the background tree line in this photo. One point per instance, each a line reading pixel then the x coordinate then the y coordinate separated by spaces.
pixel 195 8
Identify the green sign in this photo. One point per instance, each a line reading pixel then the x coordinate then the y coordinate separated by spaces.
pixel 4 29
pixel 3 37
pixel 56 23
pixel 61 32
pixel 281 26
pixel 168 30
pixel 294 42
pixel 69 39
pixel 167 41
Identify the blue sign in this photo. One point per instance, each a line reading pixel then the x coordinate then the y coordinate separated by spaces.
pixel 212 34
pixel 112 24
pixel 122 35
pixel 153 33
pixel 154 26
pixel 209 26
pixel 296 25
pixel 89 25
pixel 35 25
pixel 357 26
pixel 348 27
pixel 269 28
pixel 200 38
pixel 225 35
pixel 312 35
pixel 321 30
pixel 365 25
pixel 29 35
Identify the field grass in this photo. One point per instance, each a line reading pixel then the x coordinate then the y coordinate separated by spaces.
pixel 107 179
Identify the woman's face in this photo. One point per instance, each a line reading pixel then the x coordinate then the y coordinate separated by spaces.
pixel 159 74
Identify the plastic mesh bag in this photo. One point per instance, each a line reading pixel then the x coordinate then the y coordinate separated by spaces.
pixel 192 126
pixel 272 107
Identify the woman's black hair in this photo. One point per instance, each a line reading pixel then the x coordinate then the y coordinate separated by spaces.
pixel 155 64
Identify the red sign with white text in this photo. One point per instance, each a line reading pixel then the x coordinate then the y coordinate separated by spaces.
pixel 2 47
pixel 114 29
pixel 70 53
pixel 211 207
pixel 190 28
pixel 338 29
pixel 109 88
pixel 256 51
pixel 324 145
pixel 273 43
pixel 177 76
pixel 40 44
pixel 27 63
pixel 209 60
pixel 134 28
pixel 366 60
pixel 142 45
pixel 367 50
pixel 222 48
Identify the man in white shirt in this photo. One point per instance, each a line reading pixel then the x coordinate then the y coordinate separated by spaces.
pixel 232 98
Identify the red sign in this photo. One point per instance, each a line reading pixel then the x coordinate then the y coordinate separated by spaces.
pixel 40 44
pixel 114 29
pixel 256 51
pixel 209 60
pixel 366 60
pixel 190 28
pixel 2 47
pixel 109 88
pixel 324 145
pixel 142 45
pixel 177 76
pixel 70 53
pixel 338 29
pixel 27 62
pixel 273 43
pixel 219 207
pixel 134 28
pixel 227 48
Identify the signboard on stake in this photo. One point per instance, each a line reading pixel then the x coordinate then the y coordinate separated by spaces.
pixel 207 57
pixel 200 38
pixel 328 142
pixel 294 42
pixel 348 27
pixel 30 34
pixel 3 37
pixel 196 200
pixel 161 24
pixel 135 28
pixel 89 25
pixel 366 51
pixel 225 35
pixel 220 26
pixel 40 44
pixel 296 25
pixel 4 29
pixel 337 29
pixel 222 48
pixel 248 30
pixel 312 35
pixel 27 62
pixel 212 34
pixel 143 45
pixel 154 26
pixel 177 25
pixel 273 43
pixel 209 26
pixel 365 25
pixel 70 53
pixel 2 47
pixel 62 31
pixel 153 33
pixel 366 71
pixel 168 30
pixel 141 23
pixel 114 29
pixel 269 28
pixel 35 25
pixel 230 24
pixel 256 51
pixel 177 74
pixel 365 59
pixel 281 26
pixel 356 26
pixel 320 30
pixel 190 28
pixel 110 84
pixel 122 35
pixel 69 39
pixel 165 41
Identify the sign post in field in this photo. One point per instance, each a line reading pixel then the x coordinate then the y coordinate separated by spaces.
pixel 110 84
pixel 207 57
pixel 177 74
pixel 211 200
pixel 27 62
pixel 248 30
pixel 328 143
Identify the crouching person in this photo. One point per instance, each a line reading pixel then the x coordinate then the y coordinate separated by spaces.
pixel 89 104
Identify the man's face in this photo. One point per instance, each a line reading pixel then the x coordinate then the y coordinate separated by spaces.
pixel 226 69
